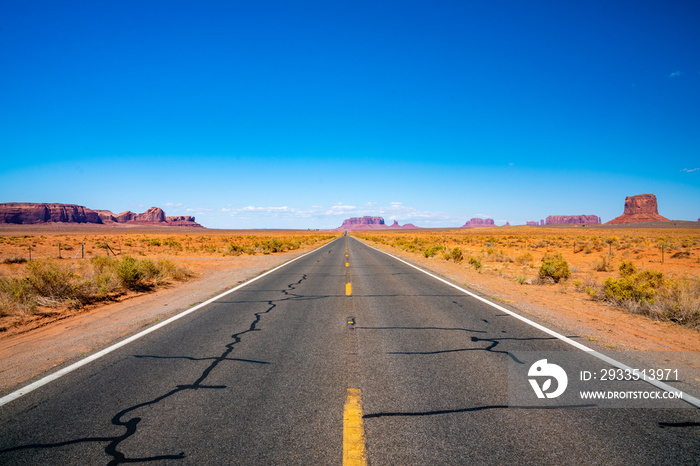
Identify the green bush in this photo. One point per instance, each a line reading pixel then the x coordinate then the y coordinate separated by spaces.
pixel 627 268
pixel 633 285
pixel 129 273
pixel 474 262
pixel 456 255
pixel 432 250
pixel 554 266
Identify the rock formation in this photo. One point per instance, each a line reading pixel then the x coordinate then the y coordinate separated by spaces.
pixel 363 223
pixel 573 219
pixel 532 224
pixel 182 221
pixel 370 223
pixel 479 222
pixel 639 208
pixel 28 213
pixel 152 215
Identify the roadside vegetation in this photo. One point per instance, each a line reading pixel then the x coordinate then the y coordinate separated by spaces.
pixel 49 283
pixel 650 272
pixel 46 273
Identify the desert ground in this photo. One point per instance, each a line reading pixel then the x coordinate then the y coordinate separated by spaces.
pixel 504 263
pixel 509 259
pixel 38 339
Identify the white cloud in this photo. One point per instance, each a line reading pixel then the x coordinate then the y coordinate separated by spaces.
pixel 251 208
pixel 675 74
pixel 330 217
pixel 690 170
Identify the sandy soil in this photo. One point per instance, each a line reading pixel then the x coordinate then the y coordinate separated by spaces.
pixel 599 326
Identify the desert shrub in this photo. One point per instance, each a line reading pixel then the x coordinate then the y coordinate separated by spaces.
pixel 647 292
pixel 149 270
pixel 432 250
pixel 233 249
pixel 169 270
pixel 639 287
pixel 15 260
pixel 681 255
pixel 173 244
pixel 603 265
pixel 679 301
pixel 496 255
pixel 456 255
pixel 525 259
pixel 592 291
pixel 474 262
pixel 50 279
pixel 129 273
pixel 627 268
pixel 555 267
pixel 16 296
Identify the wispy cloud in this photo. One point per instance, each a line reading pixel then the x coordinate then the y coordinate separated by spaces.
pixel 341 209
pixel 251 208
pixel 675 74
pixel 690 170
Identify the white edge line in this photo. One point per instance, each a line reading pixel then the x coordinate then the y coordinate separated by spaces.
pixel 686 397
pixel 60 373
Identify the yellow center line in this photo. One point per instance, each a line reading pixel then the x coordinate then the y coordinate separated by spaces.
pixel 348 289
pixel 353 430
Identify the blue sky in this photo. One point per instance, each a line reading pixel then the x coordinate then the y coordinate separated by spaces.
pixel 276 114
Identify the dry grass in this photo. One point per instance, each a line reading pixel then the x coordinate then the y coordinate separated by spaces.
pixel 49 283
pixel 117 261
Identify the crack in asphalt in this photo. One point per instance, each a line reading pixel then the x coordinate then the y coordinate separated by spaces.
pixel 131 425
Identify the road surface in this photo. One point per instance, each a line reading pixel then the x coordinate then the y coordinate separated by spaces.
pixel 345 351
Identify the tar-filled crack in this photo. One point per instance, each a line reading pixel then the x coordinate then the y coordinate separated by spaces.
pixel 494 342
pixel 130 425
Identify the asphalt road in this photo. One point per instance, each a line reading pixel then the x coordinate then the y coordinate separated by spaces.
pixel 261 376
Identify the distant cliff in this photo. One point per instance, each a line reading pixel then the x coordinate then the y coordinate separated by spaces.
pixel 371 223
pixel 479 222
pixel 572 219
pixel 23 213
